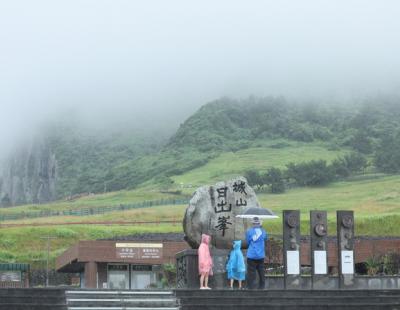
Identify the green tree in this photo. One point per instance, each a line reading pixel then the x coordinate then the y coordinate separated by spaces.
pixel 355 162
pixel 254 178
pixel 339 168
pixel 313 173
pixel 274 178
pixel 361 142
pixel 387 156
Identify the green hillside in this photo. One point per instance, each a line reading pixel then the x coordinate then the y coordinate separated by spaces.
pixel 218 136
pixel 96 161
pixel 375 200
pixel 264 155
pixel 223 139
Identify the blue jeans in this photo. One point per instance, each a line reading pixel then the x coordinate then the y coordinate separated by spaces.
pixel 255 266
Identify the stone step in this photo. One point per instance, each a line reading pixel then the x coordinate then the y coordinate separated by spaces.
pixel 121 308
pixel 122 302
pixel 119 294
pixel 122 292
pixel 106 299
pixel 94 296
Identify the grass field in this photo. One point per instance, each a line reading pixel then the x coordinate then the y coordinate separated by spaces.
pixel 376 203
pixel 261 157
pixel 100 200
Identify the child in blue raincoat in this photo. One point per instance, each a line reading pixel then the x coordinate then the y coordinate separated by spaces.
pixel 235 266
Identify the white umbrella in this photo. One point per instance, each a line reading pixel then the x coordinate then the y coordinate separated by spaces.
pixel 261 213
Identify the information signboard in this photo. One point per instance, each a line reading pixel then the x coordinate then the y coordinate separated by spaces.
pixel 139 250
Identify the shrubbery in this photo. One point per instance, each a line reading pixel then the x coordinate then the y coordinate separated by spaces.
pixel 169 275
pixel 388 264
pixel 315 172
pixel 387 156
pixel 312 173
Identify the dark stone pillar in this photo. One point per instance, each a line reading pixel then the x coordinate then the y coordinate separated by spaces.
pixel 187 271
pixel 345 234
pixel 319 249
pixel 102 275
pixel 220 258
pixel 91 275
pixel 291 248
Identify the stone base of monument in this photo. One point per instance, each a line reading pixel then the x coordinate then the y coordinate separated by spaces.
pixel 187 272
pixel 322 282
pixel 293 282
pixel 347 281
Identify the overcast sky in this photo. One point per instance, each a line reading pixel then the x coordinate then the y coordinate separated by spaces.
pixel 138 60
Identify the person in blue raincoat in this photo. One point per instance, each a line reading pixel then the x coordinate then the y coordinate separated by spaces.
pixel 256 238
pixel 235 267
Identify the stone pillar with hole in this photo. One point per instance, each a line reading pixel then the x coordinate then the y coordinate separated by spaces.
pixel 319 249
pixel 345 238
pixel 291 249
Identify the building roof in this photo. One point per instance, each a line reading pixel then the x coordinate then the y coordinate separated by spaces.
pixel 14 267
pixel 127 250
pixel 148 237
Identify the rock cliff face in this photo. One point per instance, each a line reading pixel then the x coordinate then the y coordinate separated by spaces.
pixel 29 175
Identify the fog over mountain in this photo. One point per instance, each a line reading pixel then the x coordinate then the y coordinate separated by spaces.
pixel 152 63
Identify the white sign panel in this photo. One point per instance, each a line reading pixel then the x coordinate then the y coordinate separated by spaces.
pixel 320 266
pixel 293 262
pixel 347 262
pixel 139 250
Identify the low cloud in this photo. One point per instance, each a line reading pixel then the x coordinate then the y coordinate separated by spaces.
pixel 153 63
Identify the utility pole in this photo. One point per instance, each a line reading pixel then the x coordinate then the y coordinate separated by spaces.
pixel 48 238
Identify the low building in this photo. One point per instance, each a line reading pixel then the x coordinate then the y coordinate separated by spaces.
pixel 127 263
pixel 14 275
pixel 135 262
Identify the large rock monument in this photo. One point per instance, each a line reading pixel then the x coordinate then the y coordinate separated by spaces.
pixel 213 209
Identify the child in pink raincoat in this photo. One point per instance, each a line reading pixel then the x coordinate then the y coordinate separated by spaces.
pixel 205 261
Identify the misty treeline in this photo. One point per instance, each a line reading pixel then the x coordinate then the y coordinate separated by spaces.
pixel 122 160
pixel 370 128
pixel 230 125
pixel 312 173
